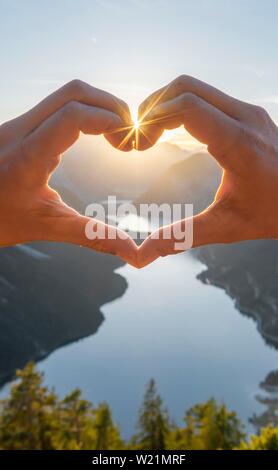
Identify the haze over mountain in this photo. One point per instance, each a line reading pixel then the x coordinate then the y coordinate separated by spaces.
pixel 192 181
pixel 93 169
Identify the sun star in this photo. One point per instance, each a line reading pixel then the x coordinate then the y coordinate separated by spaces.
pixel 136 124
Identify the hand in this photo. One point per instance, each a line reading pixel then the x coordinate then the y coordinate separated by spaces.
pixel 244 141
pixel 30 149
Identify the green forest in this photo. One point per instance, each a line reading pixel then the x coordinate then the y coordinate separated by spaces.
pixel 34 417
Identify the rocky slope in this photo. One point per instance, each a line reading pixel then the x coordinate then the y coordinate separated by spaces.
pixel 50 295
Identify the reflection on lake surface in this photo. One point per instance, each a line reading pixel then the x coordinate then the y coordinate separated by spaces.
pixel 169 326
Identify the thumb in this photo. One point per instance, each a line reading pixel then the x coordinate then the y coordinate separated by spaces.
pixel 202 229
pixel 70 227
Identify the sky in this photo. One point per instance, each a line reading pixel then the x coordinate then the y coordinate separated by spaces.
pixel 132 47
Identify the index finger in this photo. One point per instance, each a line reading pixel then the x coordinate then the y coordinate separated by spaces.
pixel 76 90
pixel 205 123
pixel 233 107
pixel 42 147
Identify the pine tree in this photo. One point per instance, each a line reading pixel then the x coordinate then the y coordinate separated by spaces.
pixel 208 426
pixel 266 440
pixel 26 419
pixel 153 424
pixel 107 433
pixel 75 420
pixel 32 417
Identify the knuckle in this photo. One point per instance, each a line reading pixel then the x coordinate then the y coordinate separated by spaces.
pixel 180 79
pixel 76 87
pixel 123 110
pixel 183 81
pixel 123 105
pixel 259 110
pixel 261 113
pixel 189 100
pixel 245 136
pixel 70 109
pixel 249 141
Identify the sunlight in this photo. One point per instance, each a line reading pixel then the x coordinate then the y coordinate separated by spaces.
pixel 182 139
pixel 178 137
pixel 134 116
pixel 134 223
pixel 136 124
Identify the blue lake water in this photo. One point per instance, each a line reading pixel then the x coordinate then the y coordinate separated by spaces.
pixel 169 326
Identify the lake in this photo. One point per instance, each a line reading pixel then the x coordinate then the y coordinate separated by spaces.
pixel 168 325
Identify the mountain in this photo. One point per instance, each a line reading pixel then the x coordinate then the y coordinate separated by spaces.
pixel 192 181
pixel 268 397
pixel 93 169
pixel 248 271
pixel 44 288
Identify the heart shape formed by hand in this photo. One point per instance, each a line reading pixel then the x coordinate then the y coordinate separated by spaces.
pixel 240 136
